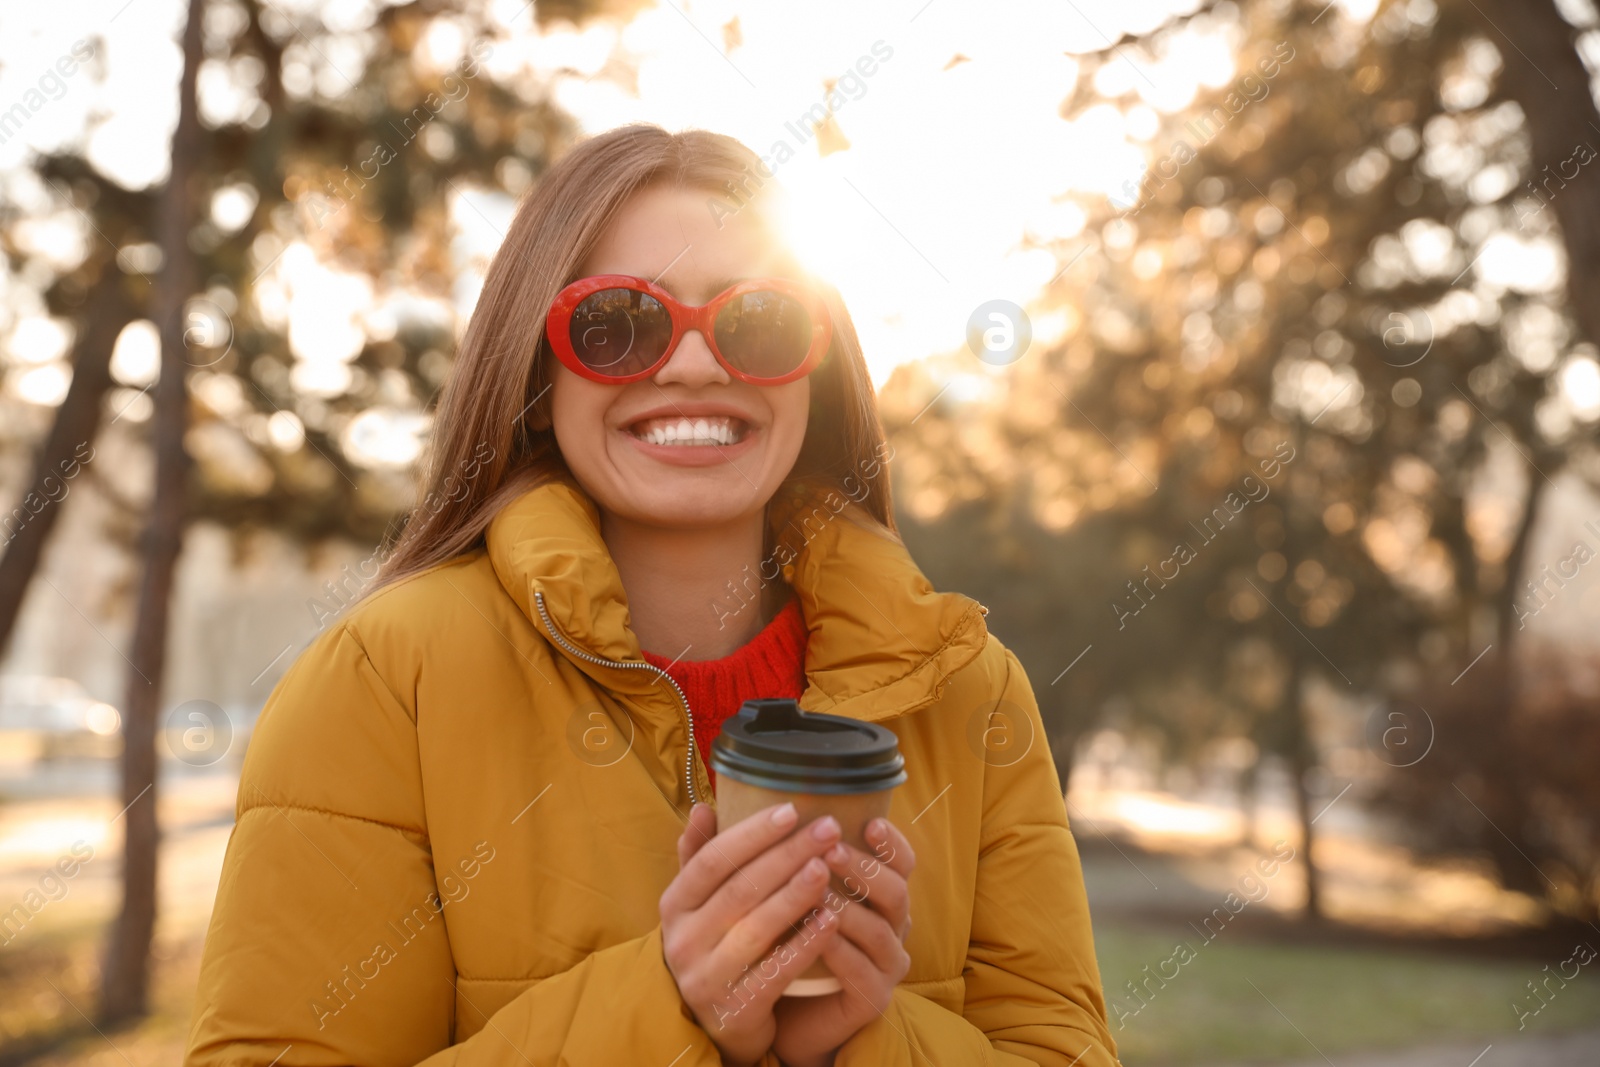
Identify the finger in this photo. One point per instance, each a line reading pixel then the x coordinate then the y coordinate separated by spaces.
pixel 700 829
pixel 874 883
pixel 876 938
pixel 819 928
pixel 773 920
pixel 764 943
pixel 866 986
pixel 711 865
pixel 891 846
pixel 764 876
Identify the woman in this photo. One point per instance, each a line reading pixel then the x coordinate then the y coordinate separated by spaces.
pixel 475 821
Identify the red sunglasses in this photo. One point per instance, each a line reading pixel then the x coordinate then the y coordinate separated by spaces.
pixel 616 328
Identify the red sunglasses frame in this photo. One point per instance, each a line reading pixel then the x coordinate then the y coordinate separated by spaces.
pixel 685 317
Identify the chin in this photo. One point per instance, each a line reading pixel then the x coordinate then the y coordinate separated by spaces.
pixel 707 506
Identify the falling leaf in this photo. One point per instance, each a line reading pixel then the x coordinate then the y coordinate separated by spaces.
pixel 731 37
pixel 956 60
pixel 830 138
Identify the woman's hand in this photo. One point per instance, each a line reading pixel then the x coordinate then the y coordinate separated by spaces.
pixel 732 899
pixel 869 959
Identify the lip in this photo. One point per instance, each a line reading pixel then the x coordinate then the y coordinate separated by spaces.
pixel 694 455
pixel 690 409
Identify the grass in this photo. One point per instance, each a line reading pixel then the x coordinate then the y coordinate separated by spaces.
pixel 49 983
pixel 1340 999
pixel 1324 1000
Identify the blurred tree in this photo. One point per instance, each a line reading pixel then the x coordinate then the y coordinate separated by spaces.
pixel 124 979
pixel 1514 784
pixel 66 448
pixel 304 295
pixel 332 155
pixel 1313 268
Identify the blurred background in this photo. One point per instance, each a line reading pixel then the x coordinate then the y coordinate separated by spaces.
pixel 1239 356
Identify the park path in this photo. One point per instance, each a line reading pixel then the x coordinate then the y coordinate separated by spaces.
pixel 1518 1050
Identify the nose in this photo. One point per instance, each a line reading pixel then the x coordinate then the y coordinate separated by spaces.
pixel 692 363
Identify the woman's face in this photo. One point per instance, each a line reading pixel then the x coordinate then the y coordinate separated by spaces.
pixel 669 236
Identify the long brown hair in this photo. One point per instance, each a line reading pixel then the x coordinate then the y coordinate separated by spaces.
pixel 492 440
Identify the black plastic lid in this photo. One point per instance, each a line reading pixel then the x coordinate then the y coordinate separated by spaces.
pixel 773 744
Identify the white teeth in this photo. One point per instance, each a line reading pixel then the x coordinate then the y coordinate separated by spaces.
pixel 712 430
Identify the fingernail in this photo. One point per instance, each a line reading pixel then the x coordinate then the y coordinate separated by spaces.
pixel 825 827
pixel 814 871
pixel 838 854
pixel 878 828
pixel 783 815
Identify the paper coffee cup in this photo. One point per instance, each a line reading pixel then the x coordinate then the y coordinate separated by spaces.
pixel 771 752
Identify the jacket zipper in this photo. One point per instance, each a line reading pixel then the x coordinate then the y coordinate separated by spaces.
pixel 688 722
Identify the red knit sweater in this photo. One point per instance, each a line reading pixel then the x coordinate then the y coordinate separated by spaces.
pixel 771 664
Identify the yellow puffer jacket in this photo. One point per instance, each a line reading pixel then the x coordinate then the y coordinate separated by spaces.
pixel 459 810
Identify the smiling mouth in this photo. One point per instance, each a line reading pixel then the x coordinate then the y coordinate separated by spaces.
pixel 704 430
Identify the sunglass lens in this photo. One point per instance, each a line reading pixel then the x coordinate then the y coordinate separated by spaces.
pixel 765 334
pixel 619 332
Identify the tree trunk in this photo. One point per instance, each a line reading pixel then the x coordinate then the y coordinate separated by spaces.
pixel 1506 623
pixel 1505 795
pixel 68 447
pixel 1249 782
pixel 1545 75
pixel 124 990
pixel 1062 746
pixel 1297 736
pixel 1301 763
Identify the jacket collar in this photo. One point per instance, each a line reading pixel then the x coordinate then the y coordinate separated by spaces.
pixel 881 641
